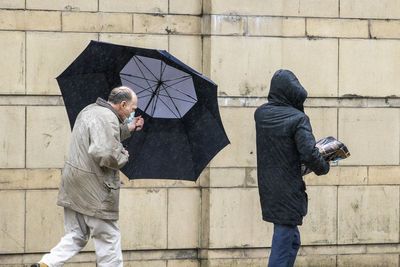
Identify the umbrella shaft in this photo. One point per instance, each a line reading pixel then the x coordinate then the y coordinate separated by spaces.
pixel 152 96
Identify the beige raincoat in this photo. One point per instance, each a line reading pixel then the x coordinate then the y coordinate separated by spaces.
pixel 90 179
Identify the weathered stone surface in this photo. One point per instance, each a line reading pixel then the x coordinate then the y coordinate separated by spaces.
pixel 97 22
pixel 249 72
pixel 137 6
pixel 143 218
pixel 319 226
pixel 234 263
pixel 12 64
pixel 138 40
pixel 240 128
pixel 12 221
pixel 316 261
pixel 375 260
pixel 358 225
pixel 276 26
pixel 17 4
pixel 384 175
pixel 358 57
pixel 69 5
pixel 340 175
pixel 183 218
pixel 224 25
pixel 385 28
pixel 30 20
pixel 370 129
pixel 183 263
pixel 47 137
pixel 166 24
pixel 29 178
pixel 48 54
pixel 192 7
pixel 328 8
pixel 188 49
pixel 12 152
pixel 385 9
pixel 353 28
pixel 44 220
pixel 153 263
pixel 235 219
pixel 323 121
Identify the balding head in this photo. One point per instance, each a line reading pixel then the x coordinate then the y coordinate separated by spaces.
pixel 123 100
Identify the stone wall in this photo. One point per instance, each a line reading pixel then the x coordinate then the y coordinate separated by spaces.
pixel 345 52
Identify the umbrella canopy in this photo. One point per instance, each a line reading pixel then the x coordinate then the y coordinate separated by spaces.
pixel 183 129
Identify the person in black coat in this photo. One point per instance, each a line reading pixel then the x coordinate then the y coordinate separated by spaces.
pixel 284 142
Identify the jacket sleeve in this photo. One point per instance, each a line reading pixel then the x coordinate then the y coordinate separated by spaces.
pixel 105 147
pixel 309 153
pixel 125 133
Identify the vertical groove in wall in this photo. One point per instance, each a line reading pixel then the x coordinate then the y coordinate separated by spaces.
pixel 339 8
pixel 26 135
pixel 25 221
pixel 337 216
pixel 338 67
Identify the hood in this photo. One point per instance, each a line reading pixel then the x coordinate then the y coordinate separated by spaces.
pixel 286 90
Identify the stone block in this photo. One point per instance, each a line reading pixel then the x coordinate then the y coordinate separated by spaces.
pixel 385 28
pixel 47 138
pixel 12 152
pixel 44 220
pixel 166 24
pixel 224 25
pixel 384 175
pixel 12 221
pixel 323 121
pixel 192 7
pixel 240 128
pixel 188 49
pixel 68 5
pixel 137 6
pixel 12 64
pixel 384 9
pixel 316 261
pixel 235 219
pixel 249 72
pixel 276 26
pixel 22 20
pixel 228 177
pixel 148 263
pixel 370 129
pixel 29 178
pixel 358 57
pixel 138 40
pixel 307 8
pixel 375 260
pixel 341 28
pixel 368 214
pixel 183 263
pixel 234 263
pixel 319 226
pixel 143 218
pixel 15 4
pixel 154 183
pixel 183 218
pixel 48 54
pixel 340 175
pixel 97 22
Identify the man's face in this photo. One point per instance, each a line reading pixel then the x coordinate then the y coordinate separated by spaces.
pixel 127 107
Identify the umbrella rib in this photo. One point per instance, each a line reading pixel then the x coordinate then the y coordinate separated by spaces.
pixel 146 68
pixel 134 59
pixel 144 89
pixel 173 97
pixel 183 77
pixel 187 78
pixel 162 73
pixel 169 108
pixel 180 115
pixel 134 76
pixel 169 86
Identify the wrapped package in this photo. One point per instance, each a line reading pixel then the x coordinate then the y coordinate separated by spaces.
pixel 331 150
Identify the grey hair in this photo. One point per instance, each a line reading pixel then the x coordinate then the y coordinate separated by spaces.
pixel 119 94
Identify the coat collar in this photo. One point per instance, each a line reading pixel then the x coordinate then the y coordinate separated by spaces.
pixel 101 102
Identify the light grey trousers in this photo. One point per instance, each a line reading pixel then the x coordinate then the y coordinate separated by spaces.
pixel 78 228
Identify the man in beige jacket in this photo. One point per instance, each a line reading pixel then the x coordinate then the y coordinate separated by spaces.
pixel 89 190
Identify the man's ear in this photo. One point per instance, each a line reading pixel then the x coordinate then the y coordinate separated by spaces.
pixel 123 103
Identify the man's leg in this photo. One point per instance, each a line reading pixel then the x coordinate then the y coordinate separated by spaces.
pixel 107 241
pixel 75 238
pixel 282 242
pixel 295 246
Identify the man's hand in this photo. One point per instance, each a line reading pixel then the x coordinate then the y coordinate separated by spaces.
pixel 136 124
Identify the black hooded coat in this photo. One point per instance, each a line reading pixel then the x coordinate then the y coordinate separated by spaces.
pixel 285 141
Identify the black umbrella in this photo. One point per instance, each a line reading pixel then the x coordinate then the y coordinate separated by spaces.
pixel 183 129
